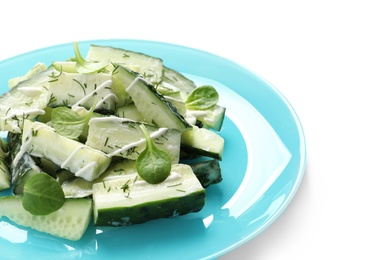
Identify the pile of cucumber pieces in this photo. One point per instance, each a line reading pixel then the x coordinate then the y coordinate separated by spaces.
pixel 116 137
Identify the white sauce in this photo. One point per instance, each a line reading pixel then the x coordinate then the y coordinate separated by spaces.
pixel 110 118
pixel 68 159
pixel 106 84
pixel 108 96
pixel 20 114
pixel 155 134
pixel 196 113
pixel 83 169
pixel 26 140
pixel 133 83
pixel 31 91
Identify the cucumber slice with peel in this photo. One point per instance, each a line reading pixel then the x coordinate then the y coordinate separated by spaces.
pixel 149 67
pixel 69 222
pixel 25 100
pixel 129 111
pixel 202 142
pixel 122 137
pixel 174 79
pixel 4 169
pixel 69 154
pixel 72 89
pixel 155 108
pixel 38 67
pixel 212 118
pixel 208 172
pixel 125 201
pixel 23 168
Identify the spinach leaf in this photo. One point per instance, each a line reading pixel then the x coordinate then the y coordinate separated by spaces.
pixel 153 164
pixel 83 66
pixel 201 98
pixel 68 123
pixel 42 195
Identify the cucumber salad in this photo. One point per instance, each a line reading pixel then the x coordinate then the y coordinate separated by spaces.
pixel 115 137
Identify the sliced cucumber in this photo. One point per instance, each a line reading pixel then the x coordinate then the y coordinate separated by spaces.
pixel 118 169
pixel 172 79
pixel 211 118
pixel 69 89
pixel 4 169
pixel 208 172
pixel 65 66
pixel 22 168
pixel 129 111
pixel 126 201
pixel 47 166
pixel 82 160
pixel 77 187
pixel 26 100
pixel 38 67
pixel 154 107
pixel 63 175
pixel 151 68
pixel 202 141
pixel 122 137
pixel 69 222
pixel 122 78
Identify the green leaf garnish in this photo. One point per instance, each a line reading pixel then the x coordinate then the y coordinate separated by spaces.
pixel 83 66
pixel 68 123
pixel 201 98
pixel 153 164
pixel 42 195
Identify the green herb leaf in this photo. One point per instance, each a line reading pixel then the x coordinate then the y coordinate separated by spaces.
pixel 42 195
pixel 201 98
pixel 153 164
pixel 83 66
pixel 68 123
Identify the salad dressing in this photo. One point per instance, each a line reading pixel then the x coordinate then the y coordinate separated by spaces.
pixel 23 114
pixel 26 140
pixel 104 85
pixel 155 134
pixel 31 91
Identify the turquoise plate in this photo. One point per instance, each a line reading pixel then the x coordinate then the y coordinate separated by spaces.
pixel 263 165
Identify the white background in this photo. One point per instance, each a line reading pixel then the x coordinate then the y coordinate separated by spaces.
pixel 318 54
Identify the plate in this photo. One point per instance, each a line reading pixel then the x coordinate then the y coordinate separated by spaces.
pixel 263 165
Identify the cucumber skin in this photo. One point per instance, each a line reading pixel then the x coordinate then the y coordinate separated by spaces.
pixel 207 172
pixel 202 142
pixel 149 66
pixel 181 193
pixel 152 210
pixel 178 121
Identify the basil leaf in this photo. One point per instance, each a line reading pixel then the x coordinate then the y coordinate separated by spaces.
pixel 42 195
pixel 83 66
pixel 153 164
pixel 201 98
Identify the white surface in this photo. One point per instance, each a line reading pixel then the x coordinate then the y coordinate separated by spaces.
pixel 319 54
